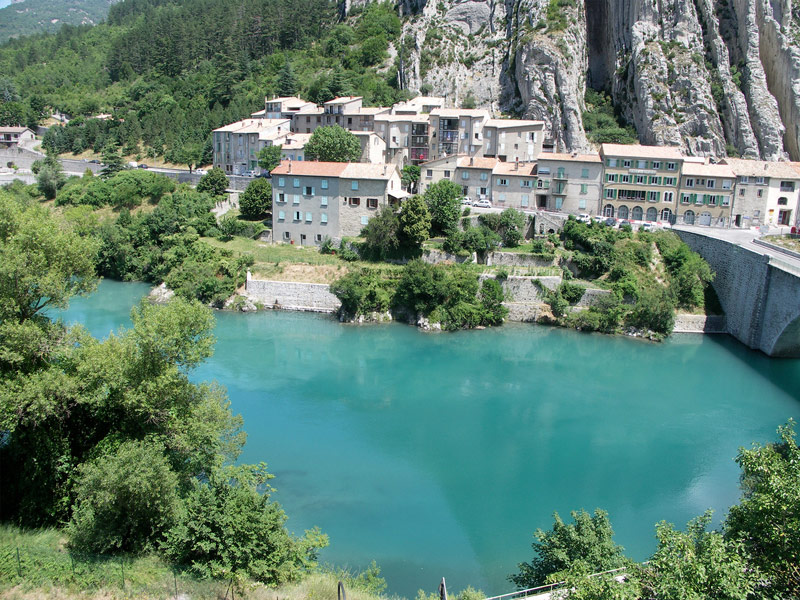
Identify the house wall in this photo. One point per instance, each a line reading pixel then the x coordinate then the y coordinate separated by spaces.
pixel 296 200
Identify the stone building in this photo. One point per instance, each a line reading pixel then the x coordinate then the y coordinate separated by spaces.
pixel 236 146
pixel 705 194
pixel 570 183
pixel 313 200
pixel 766 192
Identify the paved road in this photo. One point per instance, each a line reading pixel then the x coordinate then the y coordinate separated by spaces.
pixel 745 238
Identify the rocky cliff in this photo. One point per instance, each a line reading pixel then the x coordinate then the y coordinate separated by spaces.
pixel 714 77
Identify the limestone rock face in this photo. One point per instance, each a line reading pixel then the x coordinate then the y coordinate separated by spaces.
pixel 710 76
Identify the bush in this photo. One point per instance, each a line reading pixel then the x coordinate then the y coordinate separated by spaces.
pixel 571 292
pixel 126 500
pixel 363 291
pixel 444 205
pixel 214 182
pixel 654 310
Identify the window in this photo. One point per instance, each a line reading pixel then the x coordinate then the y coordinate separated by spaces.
pixel 710 183
pixel 524 201
pixel 281 215
pixel 302 239
pixel 281 182
pixel 584 173
pixel 710 199
pixel 364 219
pixel 309 217
pixel 626 163
pixel 685 199
pixel 559 202
pixel 281 197
pixel 584 188
pixel 624 178
pixel 354 201
pixel 502 181
pixel 323 218
pixel 655 181
pixel 759 193
pixel 526 183
pixel 483 191
pixel 641 179
pixel 464 174
pixel 447 174
pixel 324 184
pixel 353 185
pixel 669 180
pixel 501 197
pixel 759 181
pixel 560 173
pixel 318 237
pixel 611 177
pixel 656 164
pixel 544 171
pixel 611 162
pixel 689 182
pixel 700 182
pixel 641 164
pixel 581 202
pixel 670 166
pixel 726 184
pixel 296 182
pixel 286 235
pixel 323 201
pixel 298 215
pixel 484 176
pixel 744 179
pixel 611 193
pixel 668 196
pixel 653 196
pixel 429 173
pixel 782 201
pixel 726 200
pixel 741 192
pixel 308 191
pixel 295 199
pixel 372 203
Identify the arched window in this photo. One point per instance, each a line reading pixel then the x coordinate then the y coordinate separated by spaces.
pixel 652 213
pixel 622 212
pixel 688 217
pixel 636 213
pixel 666 215
pixel 608 210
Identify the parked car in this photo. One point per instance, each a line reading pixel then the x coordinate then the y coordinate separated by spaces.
pixel 94 161
pixel 624 223
pixel 143 166
pixel 597 219
pixel 265 174
pixel 200 171
pixel 482 204
pixel 466 201
pixel 610 221
pixel 584 218
pixel 647 227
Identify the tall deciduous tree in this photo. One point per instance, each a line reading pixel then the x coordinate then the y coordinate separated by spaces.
pixel 269 157
pixel 214 182
pixel 333 144
pixel 415 224
pixel 443 203
pixel 256 200
pixel 410 177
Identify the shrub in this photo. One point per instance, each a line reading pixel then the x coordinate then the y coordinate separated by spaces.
pixel 362 292
pixel 214 182
pixel 571 292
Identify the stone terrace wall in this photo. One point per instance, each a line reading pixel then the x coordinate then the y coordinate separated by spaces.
pixel 513 259
pixel 289 295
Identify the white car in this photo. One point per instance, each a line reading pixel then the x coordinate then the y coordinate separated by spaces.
pixel 584 218
pixel 466 201
pixel 200 171
pixel 483 204
pixel 647 227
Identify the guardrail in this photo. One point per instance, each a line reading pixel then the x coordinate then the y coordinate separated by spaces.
pixel 542 589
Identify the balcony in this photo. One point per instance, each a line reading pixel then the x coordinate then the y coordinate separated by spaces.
pixel 787 188
pixel 419 141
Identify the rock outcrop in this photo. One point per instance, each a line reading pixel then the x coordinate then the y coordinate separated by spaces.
pixel 713 77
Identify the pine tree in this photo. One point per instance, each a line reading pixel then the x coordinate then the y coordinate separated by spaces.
pixel 112 160
pixel 287 83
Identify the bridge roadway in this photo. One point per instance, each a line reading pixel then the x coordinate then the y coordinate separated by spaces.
pixel 758 287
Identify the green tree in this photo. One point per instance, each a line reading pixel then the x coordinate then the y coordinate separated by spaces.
pixel 697 564
pixel 444 205
pixel 767 519
pixel 588 541
pixel 492 297
pixel 269 157
pixel 512 225
pixel 214 182
pixel 333 144
pixel 415 224
pixel 112 160
pixel 287 82
pixel 125 500
pixel 256 200
pixel 382 239
pixel 50 177
pixel 410 177
pixel 191 154
pixel 583 584
pixel 230 528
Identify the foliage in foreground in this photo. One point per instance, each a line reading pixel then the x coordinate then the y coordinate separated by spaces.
pixel 755 555
pixel 112 436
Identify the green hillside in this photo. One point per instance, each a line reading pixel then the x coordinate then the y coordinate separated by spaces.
pixel 39 16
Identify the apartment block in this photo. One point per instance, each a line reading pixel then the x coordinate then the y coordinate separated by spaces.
pixel 406 137
pixel 236 146
pixel 640 182
pixel 436 170
pixel 313 200
pixel 705 196
pixel 513 185
pixel 456 131
pixel 513 139
pixel 766 193
pixel 570 183
pixel 474 175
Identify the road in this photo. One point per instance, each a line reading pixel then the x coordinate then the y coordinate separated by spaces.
pixel 746 239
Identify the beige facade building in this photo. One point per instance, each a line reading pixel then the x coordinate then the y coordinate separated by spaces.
pixel 766 193
pixel 314 200
pixel 456 131
pixel 570 183
pixel 705 194
pixel 10 137
pixel 640 183
pixel 512 139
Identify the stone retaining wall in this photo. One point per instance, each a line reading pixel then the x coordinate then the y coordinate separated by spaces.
pixel 591 296
pixel 433 256
pixel 290 295
pixel 699 324
pixel 514 259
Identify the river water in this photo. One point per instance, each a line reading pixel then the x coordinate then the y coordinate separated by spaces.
pixel 439 454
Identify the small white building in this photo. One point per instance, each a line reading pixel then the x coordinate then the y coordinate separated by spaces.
pixel 10 137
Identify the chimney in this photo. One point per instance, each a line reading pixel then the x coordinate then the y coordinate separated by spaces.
pixel 471 160
pixel 384 169
pixel 290 165
pixel 516 164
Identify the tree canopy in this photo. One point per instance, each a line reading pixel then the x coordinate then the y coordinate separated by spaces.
pixel 444 205
pixel 333 144
pixel 269 157
pixel 256 200
pixel 214 182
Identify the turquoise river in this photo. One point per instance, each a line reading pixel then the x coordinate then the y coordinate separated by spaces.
pixel 439 454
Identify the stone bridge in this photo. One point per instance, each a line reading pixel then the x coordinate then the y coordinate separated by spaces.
pixel 759 289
